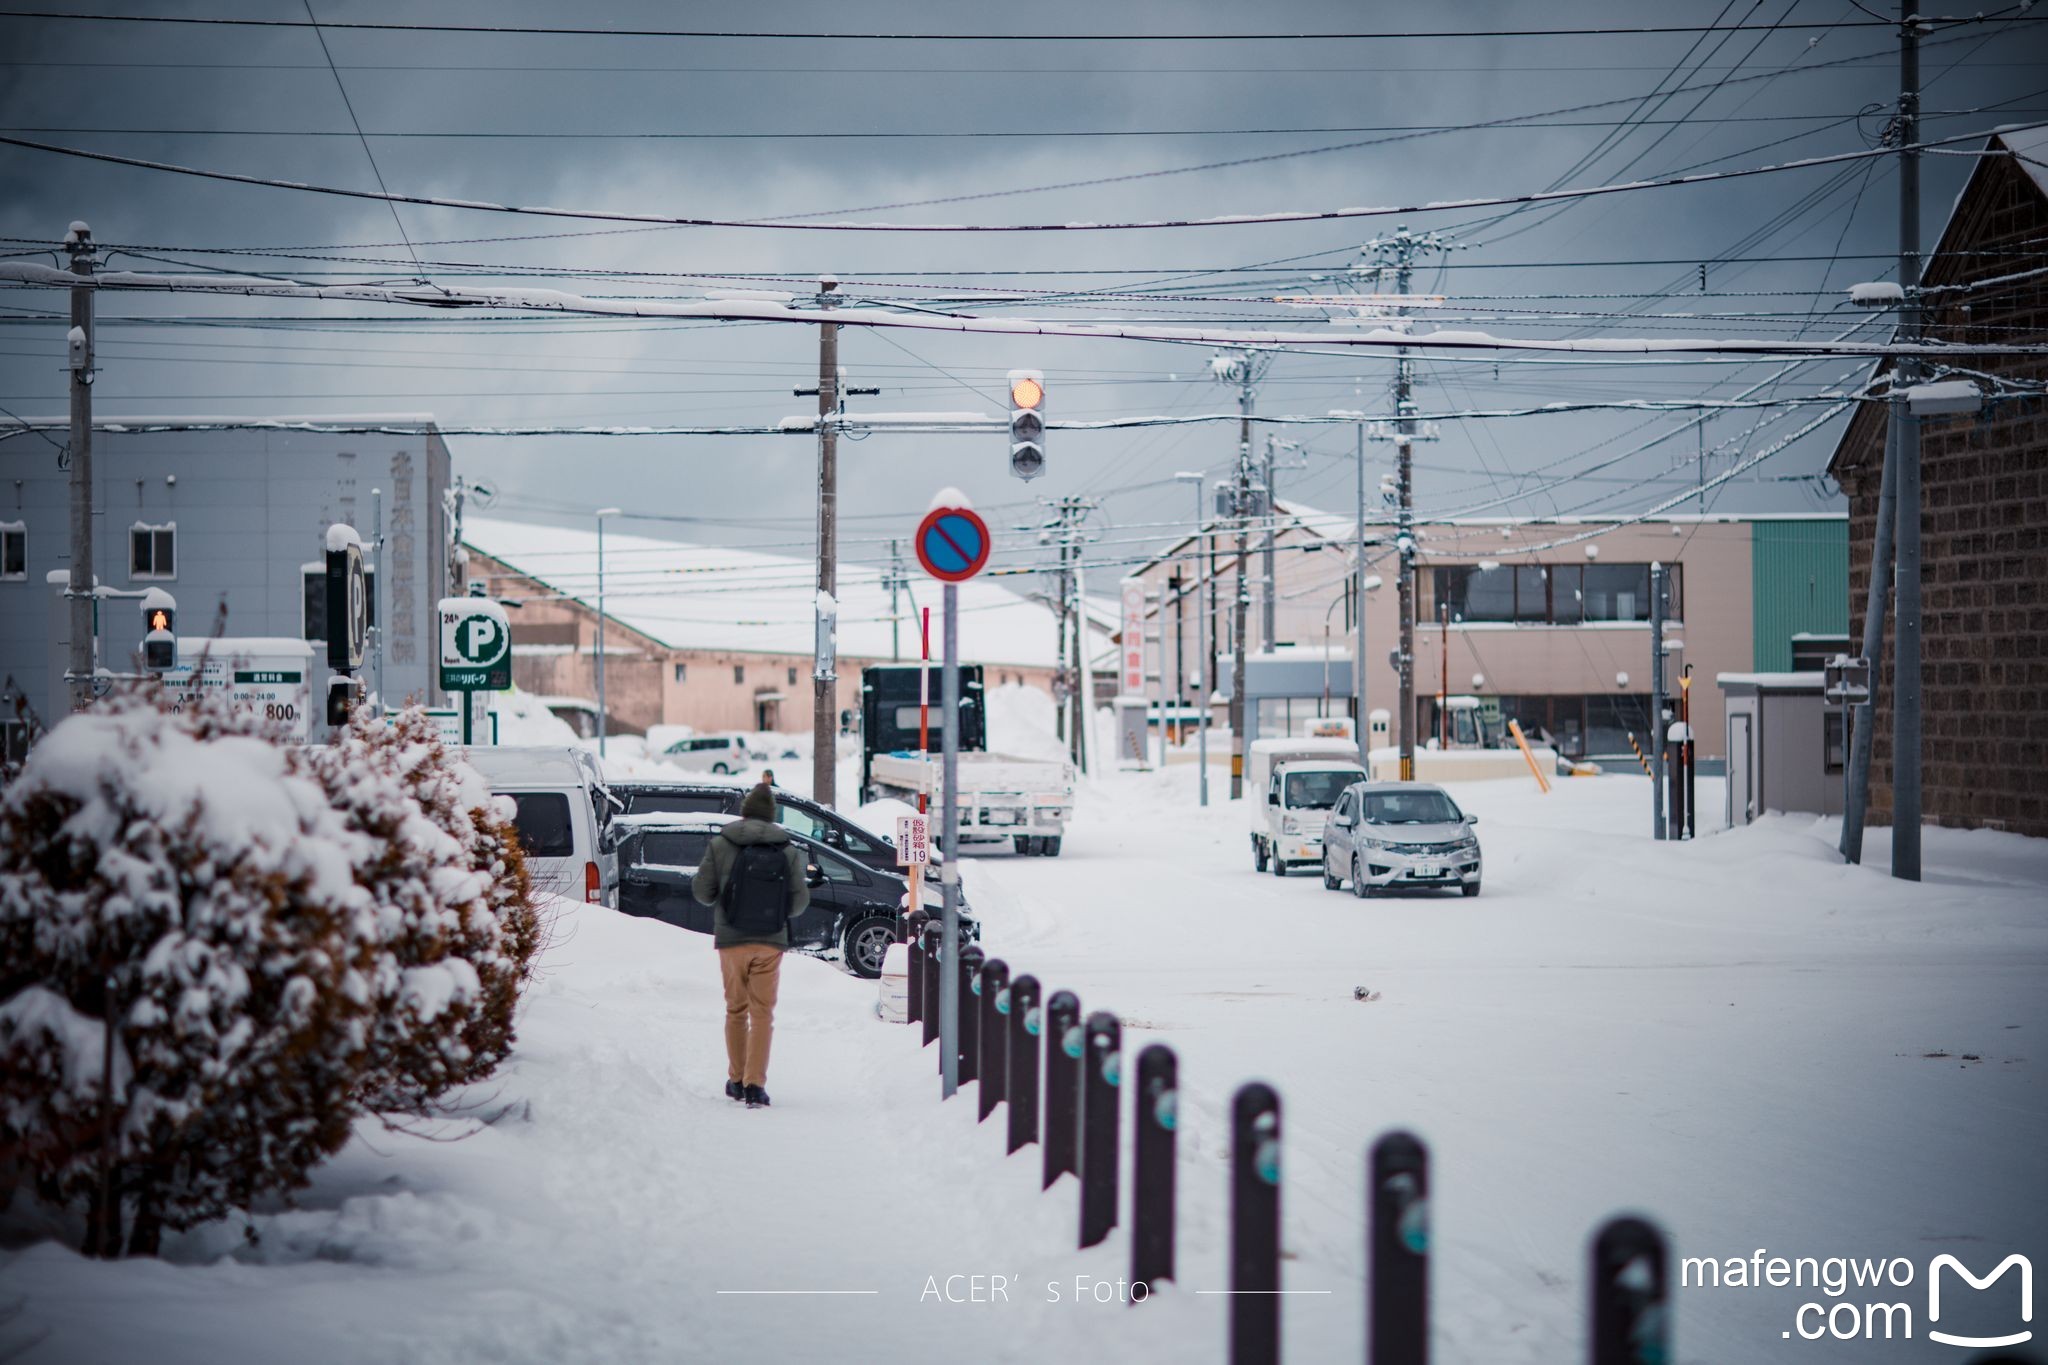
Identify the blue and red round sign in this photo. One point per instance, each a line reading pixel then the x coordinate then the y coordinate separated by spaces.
pixel 952 543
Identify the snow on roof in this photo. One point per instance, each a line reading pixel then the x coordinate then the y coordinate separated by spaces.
pixel 716 597
pixel 1774 682
pixel 2030 150
pixel 332 419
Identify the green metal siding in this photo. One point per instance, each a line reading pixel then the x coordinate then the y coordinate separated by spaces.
pixel 1800 583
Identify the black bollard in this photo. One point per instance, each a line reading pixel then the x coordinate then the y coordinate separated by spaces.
pixel 1397 1176
pixel 1062 1085
pixel 995 1038
pixel 1156 1116
pixel 1101 1078
pixel 933 955
pixel 1631 1322
pixel 970 1011
pixel 1255 1226
pixel 1021 1067
pixel 915 925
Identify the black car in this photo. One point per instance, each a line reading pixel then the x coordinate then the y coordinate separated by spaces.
pixel 799 814
pixel 854 909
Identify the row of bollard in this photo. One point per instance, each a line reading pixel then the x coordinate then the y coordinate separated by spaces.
pixel 1001 1024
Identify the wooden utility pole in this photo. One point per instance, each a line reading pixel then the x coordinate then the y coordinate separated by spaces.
pixel 80 661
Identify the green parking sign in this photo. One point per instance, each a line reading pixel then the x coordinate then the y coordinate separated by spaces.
pixel 476 645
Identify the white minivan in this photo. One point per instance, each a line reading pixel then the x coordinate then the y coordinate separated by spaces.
pixel 709 754
pixel 562 812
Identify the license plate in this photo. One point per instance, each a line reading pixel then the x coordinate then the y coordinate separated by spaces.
pixel 1429 870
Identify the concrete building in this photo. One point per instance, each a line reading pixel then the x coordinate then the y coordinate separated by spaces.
pixel 719 638
pixel 1544 627
pixel 230 523
pixel 1983 521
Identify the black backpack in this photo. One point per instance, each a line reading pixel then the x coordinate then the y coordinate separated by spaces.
pixel 756 897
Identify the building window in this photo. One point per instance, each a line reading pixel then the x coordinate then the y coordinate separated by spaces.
pixel 153 550
pixel 739 673
pixel 792 677
pixel 682 672
pixel 1834 738
pixel 13 550
pixel 1551 594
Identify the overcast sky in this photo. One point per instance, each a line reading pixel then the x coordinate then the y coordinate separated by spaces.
pixel 680 125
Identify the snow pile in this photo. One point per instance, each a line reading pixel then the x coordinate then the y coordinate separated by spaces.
pixel 1021 722
pixel 523 720
pixel 281 934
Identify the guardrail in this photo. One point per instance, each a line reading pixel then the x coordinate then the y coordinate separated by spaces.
pixel 1009 1041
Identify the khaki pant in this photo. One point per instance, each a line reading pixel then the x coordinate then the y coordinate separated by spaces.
pixel 752 973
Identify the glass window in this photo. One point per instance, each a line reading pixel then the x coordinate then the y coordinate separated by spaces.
pixel 800 820
pixel 153 551
pixel 739 673
pixel 835 869
pixel 856 842
pixel 682 672
pixel 673 847
pixel 1418 806
pixel 1532 593
pixel 1617 592
pixel 1489 596
pixel 542 819
pixel 678 803
pixel 14 552
pixel 792 677
pixel 906 719
pixel 1833 739
pixel 1317 791
pixel 1567 593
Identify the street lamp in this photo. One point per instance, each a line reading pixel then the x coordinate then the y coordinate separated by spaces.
pixel 602 513
pixel 1201 644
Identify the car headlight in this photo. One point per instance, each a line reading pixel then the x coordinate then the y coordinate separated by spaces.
pixel 1290 825
pixel 1379 844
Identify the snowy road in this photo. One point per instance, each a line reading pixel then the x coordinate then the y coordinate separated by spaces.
pixel 1732 1036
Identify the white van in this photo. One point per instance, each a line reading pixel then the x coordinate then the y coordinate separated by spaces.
pixel 563 811
pixel 726 754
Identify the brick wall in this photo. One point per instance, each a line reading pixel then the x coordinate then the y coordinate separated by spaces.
pixel 1984 536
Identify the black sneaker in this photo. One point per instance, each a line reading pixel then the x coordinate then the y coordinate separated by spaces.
pixel 757 1098
pixel 734 1090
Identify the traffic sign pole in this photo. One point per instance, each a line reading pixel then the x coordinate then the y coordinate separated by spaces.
pixel 953 546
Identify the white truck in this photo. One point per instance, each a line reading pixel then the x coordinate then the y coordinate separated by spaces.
pixel 1025 802
pixel 1291 785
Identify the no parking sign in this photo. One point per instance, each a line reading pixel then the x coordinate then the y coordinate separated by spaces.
pixel 952 543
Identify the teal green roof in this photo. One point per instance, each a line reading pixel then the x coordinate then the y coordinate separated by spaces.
pixel 1800 585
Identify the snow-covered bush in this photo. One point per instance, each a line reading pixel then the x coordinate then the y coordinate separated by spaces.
pixel 456 927
pixel 283 938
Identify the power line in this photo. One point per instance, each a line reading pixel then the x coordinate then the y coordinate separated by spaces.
pixel 797 223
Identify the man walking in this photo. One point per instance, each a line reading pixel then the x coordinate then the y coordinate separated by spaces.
pixel 754 876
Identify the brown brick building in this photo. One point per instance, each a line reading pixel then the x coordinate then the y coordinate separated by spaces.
pixel 1984 517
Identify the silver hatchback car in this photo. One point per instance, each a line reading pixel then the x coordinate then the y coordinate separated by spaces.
pixel 1384 834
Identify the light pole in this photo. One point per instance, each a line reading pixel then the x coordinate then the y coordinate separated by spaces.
pixel 1201 647
pixel 602 513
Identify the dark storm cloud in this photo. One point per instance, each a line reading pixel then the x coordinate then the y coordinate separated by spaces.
pixel 243 81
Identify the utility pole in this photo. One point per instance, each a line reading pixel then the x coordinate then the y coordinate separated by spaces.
pixel 1359 724
pixel 1397 254
pixel 603 721
pixel 1242 368
pixel 1906 680
pixel 824 675
pixel 1203 687
pixel 895 583
pixel 84 601
pixel 1084 669
pixel 1658 725
pixel 1269 631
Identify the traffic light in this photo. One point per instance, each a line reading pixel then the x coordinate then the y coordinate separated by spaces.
pixel 159 631
pixel 1027 424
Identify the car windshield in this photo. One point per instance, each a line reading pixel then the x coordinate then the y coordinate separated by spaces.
pixel 673 847
pixel 679 803
pixel 1317 791
pixel 1408 808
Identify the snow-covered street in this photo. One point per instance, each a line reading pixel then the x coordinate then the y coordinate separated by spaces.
pixel 1752 1044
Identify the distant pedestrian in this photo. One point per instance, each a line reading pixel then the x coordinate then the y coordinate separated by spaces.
pixel 754 876
pixel 767 777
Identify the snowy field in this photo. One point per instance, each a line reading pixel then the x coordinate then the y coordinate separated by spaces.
pixel 1740 1037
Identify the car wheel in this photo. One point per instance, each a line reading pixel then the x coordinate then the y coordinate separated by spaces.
pixel 1331 882
pixel 1025 845
pixel 1258 856
pixel 1360 887
pixel 720 769
pixel 1049 845
pixel 1470 888
pixel 1279 864
pixel 867 943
